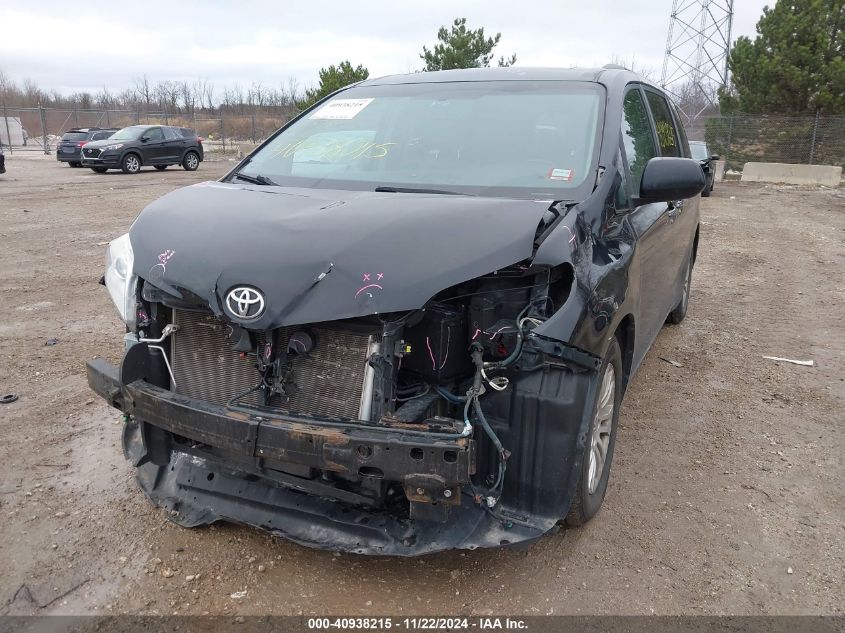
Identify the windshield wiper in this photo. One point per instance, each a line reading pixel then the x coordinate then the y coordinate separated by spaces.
pixel 258 179
pixel 415 190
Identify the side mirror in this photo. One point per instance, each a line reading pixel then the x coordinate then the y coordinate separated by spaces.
pixel 144 139
pixel 667 179
pixel 715 157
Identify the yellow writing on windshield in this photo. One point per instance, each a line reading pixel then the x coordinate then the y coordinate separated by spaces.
pixel 329 149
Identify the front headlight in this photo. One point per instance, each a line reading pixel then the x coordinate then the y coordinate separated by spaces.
pixel 120 281
pixel 111 147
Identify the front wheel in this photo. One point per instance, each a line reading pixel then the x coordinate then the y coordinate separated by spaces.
pixel 601 438
pixel 191 161
pixel 131 164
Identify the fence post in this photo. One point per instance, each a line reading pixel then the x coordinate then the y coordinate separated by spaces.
pixel 813 139
pixel 108 119
pixel 730 137
pixel 253 127
pixel 43 127
pixel 222 134
pixel 8 133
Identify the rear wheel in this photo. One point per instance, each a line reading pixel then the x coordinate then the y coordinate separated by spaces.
pixel 191 161
pixel 161 167
pixel 131 164
pixel 601 438
pixel 99 170
pixel 680 311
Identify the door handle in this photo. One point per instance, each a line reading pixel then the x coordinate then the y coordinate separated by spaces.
pixel 675 209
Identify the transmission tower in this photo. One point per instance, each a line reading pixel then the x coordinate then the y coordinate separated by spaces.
pixel 695 65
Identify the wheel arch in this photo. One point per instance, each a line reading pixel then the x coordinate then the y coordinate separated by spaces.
pixel 132 151
pixel 695 244
pixel 625 333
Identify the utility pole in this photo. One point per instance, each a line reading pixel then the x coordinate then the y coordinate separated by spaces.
pixel 695 64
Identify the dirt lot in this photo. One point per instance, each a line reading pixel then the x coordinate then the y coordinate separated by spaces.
pixel 726 494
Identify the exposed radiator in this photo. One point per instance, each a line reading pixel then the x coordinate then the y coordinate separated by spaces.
pixel 329 380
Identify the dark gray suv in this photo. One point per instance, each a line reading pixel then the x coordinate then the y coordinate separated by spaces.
pixel 137 146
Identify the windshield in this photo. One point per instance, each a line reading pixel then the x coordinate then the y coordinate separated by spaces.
pixel 699 151
pixel 128 133
pixel 526 139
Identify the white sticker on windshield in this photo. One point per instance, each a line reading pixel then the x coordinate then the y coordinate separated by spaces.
pixel 560 174
pixel 341 109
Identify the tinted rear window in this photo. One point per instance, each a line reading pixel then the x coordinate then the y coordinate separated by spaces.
pixel 699 151
pixel 75 136
pixel 187 133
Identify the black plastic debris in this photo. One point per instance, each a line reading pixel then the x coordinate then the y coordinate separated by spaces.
pixel 8 398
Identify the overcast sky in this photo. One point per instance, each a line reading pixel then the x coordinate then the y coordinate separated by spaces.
pixel 73 46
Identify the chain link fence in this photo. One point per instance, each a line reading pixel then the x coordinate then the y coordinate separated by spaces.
pixel 39 129
pixel 743 138
pixel 736 138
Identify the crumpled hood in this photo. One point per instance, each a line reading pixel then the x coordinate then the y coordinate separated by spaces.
pixel 382 252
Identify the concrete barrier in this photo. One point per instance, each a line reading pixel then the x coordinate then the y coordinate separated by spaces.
pixel 828 175
pixel 718 167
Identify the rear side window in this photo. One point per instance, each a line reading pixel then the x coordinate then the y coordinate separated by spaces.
pixel 187 133
pixel 170 134
pixel 667 135
pixel 636 137
pixel 75 136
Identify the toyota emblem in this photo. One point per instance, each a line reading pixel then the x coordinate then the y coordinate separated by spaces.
pixel 245 303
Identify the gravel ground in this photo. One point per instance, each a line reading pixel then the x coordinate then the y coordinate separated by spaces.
pixel 726 494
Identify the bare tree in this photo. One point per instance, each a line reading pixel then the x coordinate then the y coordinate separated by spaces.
pixel 104 99
pixel 32 93
pixel 144 90
pixel 188 96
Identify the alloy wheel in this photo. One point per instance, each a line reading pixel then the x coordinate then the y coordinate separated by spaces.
pixel 602 428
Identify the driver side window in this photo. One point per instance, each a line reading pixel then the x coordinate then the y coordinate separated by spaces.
pixel 637 137
pixel 154 134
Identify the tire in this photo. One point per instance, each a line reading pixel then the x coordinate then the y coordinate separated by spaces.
pixel 680 311
pixel 75 164
pixel 99 170
pixel 592 481
pixel 131 164
pixel 161 167
pixel 191 161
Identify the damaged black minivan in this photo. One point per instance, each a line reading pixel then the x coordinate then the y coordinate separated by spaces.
pixel 406 321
